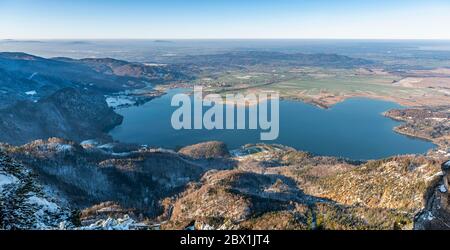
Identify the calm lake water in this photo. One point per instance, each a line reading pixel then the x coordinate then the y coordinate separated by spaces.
pixel 354 129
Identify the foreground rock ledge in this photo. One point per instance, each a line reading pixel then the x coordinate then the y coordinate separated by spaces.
pixel 118 186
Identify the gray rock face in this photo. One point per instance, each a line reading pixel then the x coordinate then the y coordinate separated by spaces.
pixel 446 166
pixel 446 177
pixel 68 113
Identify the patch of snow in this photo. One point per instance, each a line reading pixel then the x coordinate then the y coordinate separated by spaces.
pixel 244 77
pixel 125 223
pixel 117 101
pixel 436 119
pixel 7 179
pixel 62 225
pixel 106 146
pixel 31 92
pixel 155 64
pixel 44 204
pixel 107 209
pixel 442 189
pixel 64 147
pixel 32 75
pixel 89 143
pixel 429 216
pixel 206 227
pixel 61 147
pixel 163 150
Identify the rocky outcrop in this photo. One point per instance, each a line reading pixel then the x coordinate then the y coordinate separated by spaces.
pixel 436 215
pixel 226 199
pixel 395 183
pixel 446 175
pixel 206 150
pixel 24 203
pixel 68 113
pixel 301 191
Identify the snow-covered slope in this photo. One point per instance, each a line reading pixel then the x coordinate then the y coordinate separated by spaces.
pixel 125 223
pixel 23 202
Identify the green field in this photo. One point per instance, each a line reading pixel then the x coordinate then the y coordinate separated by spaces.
pixel 326 85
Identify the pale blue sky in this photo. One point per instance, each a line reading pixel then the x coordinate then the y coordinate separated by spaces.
pixel 391 19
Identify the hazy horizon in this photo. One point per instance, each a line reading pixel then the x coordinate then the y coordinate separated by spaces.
pixel 169 39
pixel 197 19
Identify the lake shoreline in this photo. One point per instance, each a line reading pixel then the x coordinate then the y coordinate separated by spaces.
pixel 133 136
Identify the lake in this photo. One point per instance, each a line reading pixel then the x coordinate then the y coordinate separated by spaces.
pixel 355 129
